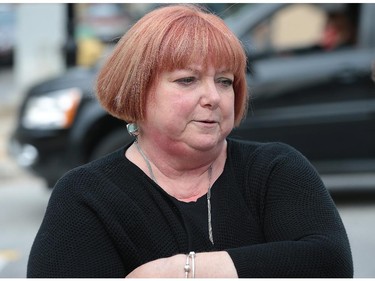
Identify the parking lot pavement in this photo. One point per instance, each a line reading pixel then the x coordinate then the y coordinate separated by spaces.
pixel 9 94
pixel 10 98
pixel 23 200
pixel 359 223
pixel 23 197
pixel 8 167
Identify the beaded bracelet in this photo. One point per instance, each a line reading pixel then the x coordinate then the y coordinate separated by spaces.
pixel 188 267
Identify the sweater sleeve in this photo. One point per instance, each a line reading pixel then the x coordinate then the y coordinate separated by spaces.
pixel 304 234
pixel 72 241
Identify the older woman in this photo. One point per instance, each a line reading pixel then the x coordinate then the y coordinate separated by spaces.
pixel 184 200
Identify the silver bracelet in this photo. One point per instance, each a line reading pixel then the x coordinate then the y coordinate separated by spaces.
pixel 190 268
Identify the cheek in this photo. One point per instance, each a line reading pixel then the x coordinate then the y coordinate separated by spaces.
pixel 228 106
pixel 181 107
pixel 171 113
pixel 228 115
pixel 163 105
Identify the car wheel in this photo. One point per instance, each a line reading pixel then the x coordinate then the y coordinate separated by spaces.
pixel 110 143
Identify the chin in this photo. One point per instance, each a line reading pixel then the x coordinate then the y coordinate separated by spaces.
pixel 207 143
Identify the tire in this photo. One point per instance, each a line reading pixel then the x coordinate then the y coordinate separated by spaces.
pixel 110 143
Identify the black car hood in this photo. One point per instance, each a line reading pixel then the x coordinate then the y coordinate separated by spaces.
pixel 77 77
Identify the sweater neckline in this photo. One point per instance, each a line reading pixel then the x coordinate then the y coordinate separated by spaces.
pixel 157 186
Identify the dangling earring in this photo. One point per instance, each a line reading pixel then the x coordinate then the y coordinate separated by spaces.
pixel 132 129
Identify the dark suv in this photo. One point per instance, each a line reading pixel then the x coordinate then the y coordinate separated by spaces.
pixel 305 91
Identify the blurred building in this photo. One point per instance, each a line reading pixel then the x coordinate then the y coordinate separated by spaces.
pixel 45 39
pixel 50 37
pixel 7 26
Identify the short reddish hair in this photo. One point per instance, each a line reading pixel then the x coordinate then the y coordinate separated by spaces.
pixel 168 38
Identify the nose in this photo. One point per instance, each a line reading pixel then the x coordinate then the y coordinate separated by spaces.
pixel 210 95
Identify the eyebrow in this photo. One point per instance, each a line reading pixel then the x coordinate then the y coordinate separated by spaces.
pixel 199 69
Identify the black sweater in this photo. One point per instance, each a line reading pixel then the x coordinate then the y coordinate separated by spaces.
pixel 270 212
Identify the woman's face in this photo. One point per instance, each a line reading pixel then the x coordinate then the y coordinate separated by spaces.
pixel 191 108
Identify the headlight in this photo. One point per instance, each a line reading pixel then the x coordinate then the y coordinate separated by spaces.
pixel 55 110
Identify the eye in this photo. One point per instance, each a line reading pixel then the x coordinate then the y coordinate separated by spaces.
pixel 226 82
pixel 186 80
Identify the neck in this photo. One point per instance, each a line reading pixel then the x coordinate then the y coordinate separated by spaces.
pixel 176 159
pixel 185 177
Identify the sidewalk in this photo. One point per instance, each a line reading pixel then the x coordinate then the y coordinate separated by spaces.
pixel 9 97
pixel 10 100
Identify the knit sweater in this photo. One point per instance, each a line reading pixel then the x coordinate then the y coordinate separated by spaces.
pixel 270 212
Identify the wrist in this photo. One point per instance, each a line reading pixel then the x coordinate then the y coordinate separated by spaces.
pixel 189 267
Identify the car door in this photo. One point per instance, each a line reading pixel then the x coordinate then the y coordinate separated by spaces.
pixel 320 101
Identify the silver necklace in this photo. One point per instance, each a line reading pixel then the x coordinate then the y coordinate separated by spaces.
pixel 210 235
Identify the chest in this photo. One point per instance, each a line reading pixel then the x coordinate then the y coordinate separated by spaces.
pixel 160 226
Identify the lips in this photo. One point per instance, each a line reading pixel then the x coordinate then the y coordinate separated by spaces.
pixel 207 121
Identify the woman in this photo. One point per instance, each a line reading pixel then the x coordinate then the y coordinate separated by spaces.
pixel 183 200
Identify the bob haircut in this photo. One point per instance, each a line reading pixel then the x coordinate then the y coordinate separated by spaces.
pixel 168 38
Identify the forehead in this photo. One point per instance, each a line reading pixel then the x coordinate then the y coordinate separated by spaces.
pixel 203 68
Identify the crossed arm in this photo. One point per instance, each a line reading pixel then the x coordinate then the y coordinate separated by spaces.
pixel 207 265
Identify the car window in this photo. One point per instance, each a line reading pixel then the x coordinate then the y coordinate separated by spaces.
pixel 300 28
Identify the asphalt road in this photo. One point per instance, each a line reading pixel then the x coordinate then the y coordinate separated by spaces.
pixel 22 204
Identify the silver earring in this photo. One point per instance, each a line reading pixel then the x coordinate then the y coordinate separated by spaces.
pixel 132 129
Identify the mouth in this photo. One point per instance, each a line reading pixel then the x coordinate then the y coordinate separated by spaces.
pixel 206 121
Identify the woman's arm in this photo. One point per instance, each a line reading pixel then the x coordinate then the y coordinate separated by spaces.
pixel 304 234
pixel 72 241
pixel 207 265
